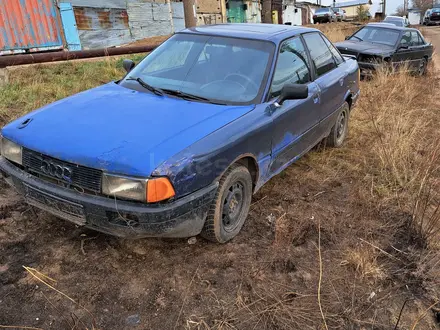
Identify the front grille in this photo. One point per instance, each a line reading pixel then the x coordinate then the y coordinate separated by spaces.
pixel 81 176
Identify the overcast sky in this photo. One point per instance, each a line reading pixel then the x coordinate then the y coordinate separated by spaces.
pixel 391 5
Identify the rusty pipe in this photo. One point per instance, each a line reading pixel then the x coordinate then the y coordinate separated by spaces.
pixel 11 60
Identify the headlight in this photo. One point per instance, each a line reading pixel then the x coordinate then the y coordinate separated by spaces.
pixel 124 187
pixel 11 151
pixel 145 190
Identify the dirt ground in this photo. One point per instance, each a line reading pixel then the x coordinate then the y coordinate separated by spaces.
pixel 266 278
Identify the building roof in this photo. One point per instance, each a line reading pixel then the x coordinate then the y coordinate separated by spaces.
pixel 273 32
pixel 308 3
pixel 352 3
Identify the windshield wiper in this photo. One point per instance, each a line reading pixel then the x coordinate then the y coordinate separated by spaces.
pixel 188 96
pixel 152 89
pixel 360 39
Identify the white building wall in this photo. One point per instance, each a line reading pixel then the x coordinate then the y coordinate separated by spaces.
pixel 290 16
pixel 414 18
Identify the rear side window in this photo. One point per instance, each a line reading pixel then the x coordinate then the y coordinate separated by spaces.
pixel 322 57
pixel 292 66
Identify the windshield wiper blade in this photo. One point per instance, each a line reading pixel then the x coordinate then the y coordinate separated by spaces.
pixel 360 39
pixel 188 96
pixel 147 86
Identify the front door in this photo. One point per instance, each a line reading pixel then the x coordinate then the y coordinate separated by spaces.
pixel 295 122
pixel 330 79
pixel 410 51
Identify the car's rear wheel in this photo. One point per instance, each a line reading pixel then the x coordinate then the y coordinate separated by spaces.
pixel 230 208
pixel 339 131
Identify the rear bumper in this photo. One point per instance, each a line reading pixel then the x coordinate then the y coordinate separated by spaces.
pixel 321 19
pixel 435 21
pixel 184 217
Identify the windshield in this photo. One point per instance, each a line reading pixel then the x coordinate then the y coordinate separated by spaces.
pixel 435 10
pixel 219 69
pixel 377 35
pixel 321 10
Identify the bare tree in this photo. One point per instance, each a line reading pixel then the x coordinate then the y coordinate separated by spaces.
pixel 423 5
pixel 400 11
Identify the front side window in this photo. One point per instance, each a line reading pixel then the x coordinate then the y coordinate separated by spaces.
pixel 406 39
pixel 377 35
pixel 292 66
pixel 321 55
pixel 222 69
pixel 338 57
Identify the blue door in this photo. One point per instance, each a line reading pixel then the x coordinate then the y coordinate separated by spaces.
pixel 295 122
pixel 69 26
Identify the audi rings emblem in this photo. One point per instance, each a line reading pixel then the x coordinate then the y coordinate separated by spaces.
pixel 56 170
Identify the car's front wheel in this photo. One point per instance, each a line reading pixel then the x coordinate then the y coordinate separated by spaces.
pixel 423 66
pixel 339 131
pixel 230 208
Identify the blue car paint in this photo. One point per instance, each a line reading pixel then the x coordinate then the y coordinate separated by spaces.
pixel 192 143
pixel 119 130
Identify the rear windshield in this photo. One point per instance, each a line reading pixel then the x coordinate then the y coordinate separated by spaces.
pixel 321 10
pixel 393 19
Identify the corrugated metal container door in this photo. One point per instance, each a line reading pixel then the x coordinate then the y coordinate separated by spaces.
pixel 29 25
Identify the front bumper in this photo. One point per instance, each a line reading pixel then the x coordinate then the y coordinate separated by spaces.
pixel 367 69
pixel 183 217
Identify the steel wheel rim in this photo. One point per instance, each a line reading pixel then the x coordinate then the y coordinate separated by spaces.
pixel 422 67
pixel 340 126
pixel 232 206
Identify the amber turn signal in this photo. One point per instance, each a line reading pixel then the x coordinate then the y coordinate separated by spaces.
pixel 159 189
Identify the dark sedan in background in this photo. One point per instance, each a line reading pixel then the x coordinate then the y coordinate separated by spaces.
pixel 432 17
pixel 397 21
pixel 380 45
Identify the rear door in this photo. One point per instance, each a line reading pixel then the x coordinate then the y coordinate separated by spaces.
pixel 331 79
pixel 295 122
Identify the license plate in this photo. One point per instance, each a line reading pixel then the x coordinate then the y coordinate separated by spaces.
pixel 57 206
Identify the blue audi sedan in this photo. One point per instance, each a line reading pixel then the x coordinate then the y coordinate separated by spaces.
pixel 179 145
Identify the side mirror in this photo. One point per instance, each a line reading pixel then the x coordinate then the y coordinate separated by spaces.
pixel 292 92
pixel 128 65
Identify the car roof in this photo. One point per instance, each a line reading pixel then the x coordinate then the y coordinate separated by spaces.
pixel 395 17
pixel 391 26
pixel 272 32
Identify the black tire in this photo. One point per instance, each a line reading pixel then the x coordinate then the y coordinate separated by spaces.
pixel 230 207
pixel 339 130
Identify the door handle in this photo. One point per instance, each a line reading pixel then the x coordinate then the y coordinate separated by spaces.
pixel 316 98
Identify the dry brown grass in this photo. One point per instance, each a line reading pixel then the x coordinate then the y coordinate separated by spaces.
pixel 336 32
